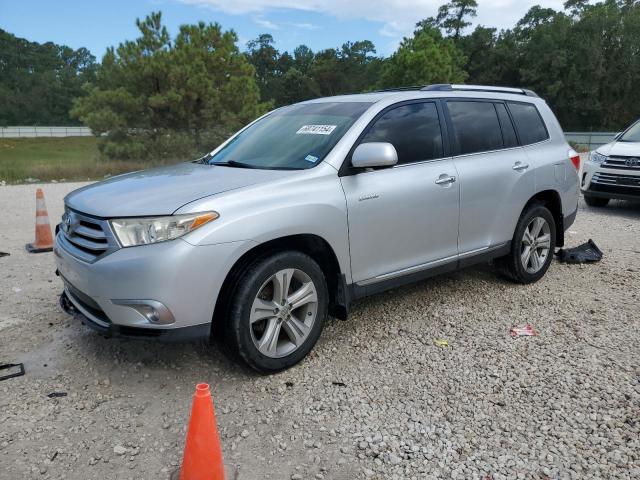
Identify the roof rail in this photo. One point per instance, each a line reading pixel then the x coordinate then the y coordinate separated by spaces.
pixel 401 89
pixel 448 87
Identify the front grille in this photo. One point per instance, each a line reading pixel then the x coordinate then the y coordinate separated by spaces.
pixel 85 237
pixel 632 181
pixel 622 163
pixel 614 183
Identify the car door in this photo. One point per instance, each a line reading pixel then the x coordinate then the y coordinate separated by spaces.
pixel 403 218
pixel 495 177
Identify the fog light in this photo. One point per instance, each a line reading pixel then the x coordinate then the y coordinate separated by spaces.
pixel 153 311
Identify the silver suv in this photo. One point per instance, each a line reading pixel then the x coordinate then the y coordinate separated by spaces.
pixel 315 205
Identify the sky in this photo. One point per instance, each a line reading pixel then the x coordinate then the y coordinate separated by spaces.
pixel 98 24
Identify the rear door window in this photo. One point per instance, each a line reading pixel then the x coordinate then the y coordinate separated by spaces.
pixel 528 122
pixel 475 126
pixel 413 129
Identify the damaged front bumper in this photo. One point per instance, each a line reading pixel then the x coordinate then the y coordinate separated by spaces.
pixel 83 312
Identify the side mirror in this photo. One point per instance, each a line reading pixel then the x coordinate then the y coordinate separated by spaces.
pixel 374 154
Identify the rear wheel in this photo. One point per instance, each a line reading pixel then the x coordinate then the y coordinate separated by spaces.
pixel 278 311
pixel 532 246
pixel 596 201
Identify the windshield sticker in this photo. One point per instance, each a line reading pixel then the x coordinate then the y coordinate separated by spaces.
pixel 311 158
pixel 316 130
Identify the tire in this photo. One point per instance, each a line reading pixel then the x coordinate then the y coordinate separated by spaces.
pixel 596 201
pixel 266 333
pixel 514 263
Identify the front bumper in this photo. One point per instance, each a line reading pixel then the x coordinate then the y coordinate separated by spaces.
pixel 184 278
pixel 597 181
pixel 182 334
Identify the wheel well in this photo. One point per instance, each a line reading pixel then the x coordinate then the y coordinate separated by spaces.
pixel 551 200
pixel 314 246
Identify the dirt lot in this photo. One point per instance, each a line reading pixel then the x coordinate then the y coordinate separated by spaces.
pixel 376 398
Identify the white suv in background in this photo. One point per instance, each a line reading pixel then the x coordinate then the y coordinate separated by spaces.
pixel 613 170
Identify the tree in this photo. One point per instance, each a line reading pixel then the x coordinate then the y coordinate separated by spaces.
pixel 156 97
pixel 425 58
pixel 38 82
pixel 452 17
pixel 265 60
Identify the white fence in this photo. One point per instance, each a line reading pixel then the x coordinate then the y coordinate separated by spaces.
pixel 31 132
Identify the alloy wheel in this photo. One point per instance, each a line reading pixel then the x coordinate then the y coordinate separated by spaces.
pixel 536 245
pixel 283 312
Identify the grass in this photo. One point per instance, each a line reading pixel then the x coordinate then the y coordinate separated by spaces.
pixel 61 159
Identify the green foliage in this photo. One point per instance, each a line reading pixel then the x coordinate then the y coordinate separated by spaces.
pixel 425 58
pixel 39 81
pixel 282 77
pixel 585 61
pixel 158 97
pixel 154 97
pixel 453 16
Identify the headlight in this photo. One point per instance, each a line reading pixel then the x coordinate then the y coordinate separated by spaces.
pixel 596 157
pixel 143 231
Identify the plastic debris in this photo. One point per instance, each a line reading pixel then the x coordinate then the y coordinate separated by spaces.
pixel 585 253
pixel 526 331
pixel 441 342
pixel 12 366
pixel 57 394
pixel 4 254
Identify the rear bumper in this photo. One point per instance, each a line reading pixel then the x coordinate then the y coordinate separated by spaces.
pixel 70 304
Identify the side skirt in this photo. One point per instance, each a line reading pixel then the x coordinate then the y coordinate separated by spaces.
pixel 357 291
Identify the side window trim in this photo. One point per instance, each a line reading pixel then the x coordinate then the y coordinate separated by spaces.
pixel 345 168
pixel 515 126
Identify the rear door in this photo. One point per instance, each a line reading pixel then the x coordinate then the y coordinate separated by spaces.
pixel 404 218
pixel 495 178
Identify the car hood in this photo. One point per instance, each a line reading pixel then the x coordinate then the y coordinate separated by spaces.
pixel 162 191
pixel 623 149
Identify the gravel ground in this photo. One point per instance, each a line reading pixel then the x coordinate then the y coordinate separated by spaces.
pixel 376 398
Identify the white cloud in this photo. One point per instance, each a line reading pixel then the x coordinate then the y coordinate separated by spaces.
pixel 264 23
pixel 304 26
pixel 398 17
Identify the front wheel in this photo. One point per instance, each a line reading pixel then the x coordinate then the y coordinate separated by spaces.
pixel 278 311
pixel 532 246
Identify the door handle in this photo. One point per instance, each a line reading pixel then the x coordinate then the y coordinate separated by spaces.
pixel 445 179
pixel 519 166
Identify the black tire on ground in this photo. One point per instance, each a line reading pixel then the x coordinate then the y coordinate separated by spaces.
pixel 511 264
pixel 596 201
pixel 238 330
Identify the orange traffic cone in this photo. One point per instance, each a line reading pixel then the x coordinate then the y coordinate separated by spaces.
pixel 202 458
pixel 44 239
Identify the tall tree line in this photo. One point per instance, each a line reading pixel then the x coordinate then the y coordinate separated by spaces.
pixel 584 60
pixel 158 95
pixel 38 82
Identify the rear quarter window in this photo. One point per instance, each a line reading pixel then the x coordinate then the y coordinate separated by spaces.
pixel 529 124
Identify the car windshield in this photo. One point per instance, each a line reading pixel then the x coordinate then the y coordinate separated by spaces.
pixel 631 135
pixel 291 138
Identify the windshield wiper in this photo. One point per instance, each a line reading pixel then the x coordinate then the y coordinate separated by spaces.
pixel 233 163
